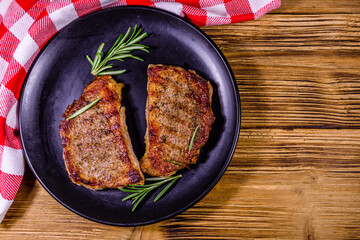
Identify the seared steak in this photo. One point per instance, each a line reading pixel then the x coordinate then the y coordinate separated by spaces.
pixel 178 102
pixel 96 145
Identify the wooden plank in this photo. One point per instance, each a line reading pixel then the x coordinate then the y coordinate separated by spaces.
pixel 283 185
pixel 35 214
pixel 301 71
pixel 322 6
pixel 302 183
pixel 288 33
pixel 308 204
pixel 297 149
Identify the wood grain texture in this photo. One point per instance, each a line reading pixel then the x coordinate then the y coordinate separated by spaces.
pixel 296 71
pixel 295 173
pixel 320 6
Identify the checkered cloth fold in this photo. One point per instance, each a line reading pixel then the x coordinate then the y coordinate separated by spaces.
pixel 26 25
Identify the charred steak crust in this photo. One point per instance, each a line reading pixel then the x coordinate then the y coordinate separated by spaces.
pixel 96 145
pixel 178 101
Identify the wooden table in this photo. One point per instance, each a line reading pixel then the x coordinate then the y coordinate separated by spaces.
pixel 296 170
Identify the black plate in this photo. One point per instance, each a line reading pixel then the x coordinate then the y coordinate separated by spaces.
pixel 58 76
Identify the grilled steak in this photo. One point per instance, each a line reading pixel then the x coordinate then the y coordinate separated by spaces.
pixel 178 102
pixel 96 145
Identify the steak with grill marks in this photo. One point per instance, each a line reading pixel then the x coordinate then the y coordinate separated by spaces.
pixel 96 145
pixel 178 102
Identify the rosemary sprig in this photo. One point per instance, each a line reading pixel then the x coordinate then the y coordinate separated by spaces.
pixel 138 192
pixel 176 162
pixel 120 50
pixel 83 109
pixel 193 138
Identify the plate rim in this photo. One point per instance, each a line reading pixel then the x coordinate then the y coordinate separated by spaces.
pixel 237 105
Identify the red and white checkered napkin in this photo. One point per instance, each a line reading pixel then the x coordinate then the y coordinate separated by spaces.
pixel 26 25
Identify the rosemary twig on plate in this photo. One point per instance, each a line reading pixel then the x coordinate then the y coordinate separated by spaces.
pixel 83 109
pixel 120 50
pixel 138 192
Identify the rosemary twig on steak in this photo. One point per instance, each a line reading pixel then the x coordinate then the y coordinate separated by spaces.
pixel 83 109
pixel 193 138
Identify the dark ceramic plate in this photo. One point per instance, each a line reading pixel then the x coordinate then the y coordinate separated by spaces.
pixel 58 76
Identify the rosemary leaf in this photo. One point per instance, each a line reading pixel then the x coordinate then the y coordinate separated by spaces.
pixel 105 68
pixel 137 58
pixel 139 195
pixel 164 190
pixel 117 72
pixel 120 38
pixel 176 162
pixel 138 38
pixel 138 201
pixel 132 35
pixel 83 109
pixel 130 196
pixel 155 179
pixel 89 59
pixel 193 138
pixel 130 48
pixel 97 58
pixel 120 58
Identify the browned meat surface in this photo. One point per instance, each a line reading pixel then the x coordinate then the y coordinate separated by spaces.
pixel 96 146
pixel 178 101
